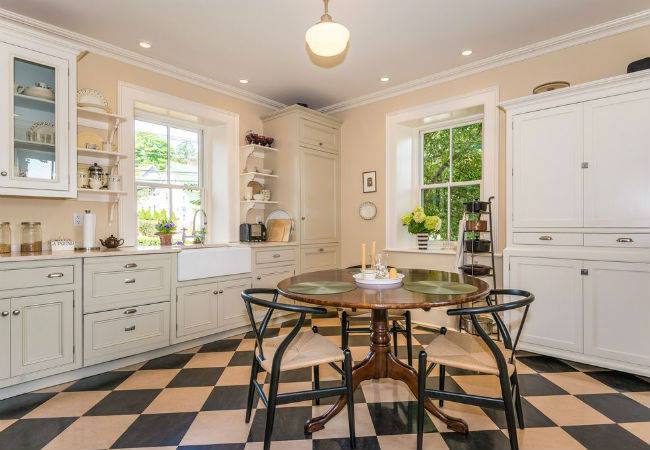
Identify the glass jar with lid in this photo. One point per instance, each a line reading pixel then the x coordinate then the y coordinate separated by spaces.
pixel 5 237
pixel 31 237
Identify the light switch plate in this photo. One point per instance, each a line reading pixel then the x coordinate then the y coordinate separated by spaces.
pixel 77 219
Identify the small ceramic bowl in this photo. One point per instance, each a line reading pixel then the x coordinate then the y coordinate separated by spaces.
pixel 258 197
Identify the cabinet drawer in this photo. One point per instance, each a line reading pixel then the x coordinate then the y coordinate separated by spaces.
pixel 637 240
pixel 121 281
pixel 319 136
pixel 36 277
pixel 123 332
pixel 548 238
pixel 320 258
pixel 277 255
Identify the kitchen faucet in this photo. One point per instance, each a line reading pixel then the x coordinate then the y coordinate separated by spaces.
pixel 200 234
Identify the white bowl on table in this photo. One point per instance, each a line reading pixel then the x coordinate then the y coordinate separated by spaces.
pixel 363 279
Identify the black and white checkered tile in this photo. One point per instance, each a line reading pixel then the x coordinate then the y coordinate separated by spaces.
pixel 196 400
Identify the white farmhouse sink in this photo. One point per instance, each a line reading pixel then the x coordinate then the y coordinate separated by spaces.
pixel 206 262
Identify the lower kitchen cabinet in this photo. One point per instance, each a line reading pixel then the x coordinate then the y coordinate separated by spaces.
pixel 197 310
pixel 123 332
pixel 232 312
pixel 5 336
pixel 42 332
pixel 555 317
pixel 319 257
pixel 617 311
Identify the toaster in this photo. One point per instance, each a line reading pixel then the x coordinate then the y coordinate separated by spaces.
pixel 252 232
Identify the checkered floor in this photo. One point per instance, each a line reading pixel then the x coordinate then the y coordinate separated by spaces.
pixel 196 399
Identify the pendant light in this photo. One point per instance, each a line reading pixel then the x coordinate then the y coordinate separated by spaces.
pixel 327 38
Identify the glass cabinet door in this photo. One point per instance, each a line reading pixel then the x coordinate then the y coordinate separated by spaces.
pixel 38 153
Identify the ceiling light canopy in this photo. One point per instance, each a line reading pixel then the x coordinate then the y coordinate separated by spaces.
pixel 145 44
pixel 327 38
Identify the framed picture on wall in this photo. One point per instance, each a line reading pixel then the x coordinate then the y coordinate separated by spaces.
pixel 369 182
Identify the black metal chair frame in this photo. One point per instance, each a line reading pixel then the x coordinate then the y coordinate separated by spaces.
pixel 346 330
pixel 274 399
pixel 509 385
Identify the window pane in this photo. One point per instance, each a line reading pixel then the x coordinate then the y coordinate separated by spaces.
pixel 184 157
pixel 467 143
pixel 153 205
pixel 186 203
pixel 434 202
pixel 460 194
pixel 150 152
pixel 436 157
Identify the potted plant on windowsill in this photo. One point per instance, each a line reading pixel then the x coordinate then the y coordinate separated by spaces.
pixel 423 226
pixel 165 228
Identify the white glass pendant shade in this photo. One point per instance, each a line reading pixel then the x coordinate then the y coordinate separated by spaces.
pixel 327 38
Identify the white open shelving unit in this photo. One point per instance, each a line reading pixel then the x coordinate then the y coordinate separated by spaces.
pixel 246 152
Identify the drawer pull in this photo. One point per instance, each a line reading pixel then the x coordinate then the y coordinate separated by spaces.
pixel 131 311
pixel 130 265
pixel 259 277
pixel 55 275
pixel 221 291
pixel 277 255
pixel 129 280
pixel 321 249
pixel 5 313
pixel 624 239
pixel 320 143
pixel 546 238
pixel 131 328
pixel 3 173
pixel 16 312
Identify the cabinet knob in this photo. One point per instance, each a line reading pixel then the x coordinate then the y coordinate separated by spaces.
pixel 259 277
pixel 277 255
pixel 303 218
pixel 16 312
pixel 321 249
pixel 129 280
pixel 130 265
pixel 221 291
pixel 624 239
pixel 3 173
pixel 4 313
pixel 215 292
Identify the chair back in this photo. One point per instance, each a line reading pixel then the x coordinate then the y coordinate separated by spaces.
pixel 272 306
pixel 524 301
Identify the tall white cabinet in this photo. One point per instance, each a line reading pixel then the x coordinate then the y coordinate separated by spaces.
pixel 578 218
pixel 309 190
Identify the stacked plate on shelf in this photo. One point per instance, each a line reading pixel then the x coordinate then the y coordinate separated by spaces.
pixel 92 100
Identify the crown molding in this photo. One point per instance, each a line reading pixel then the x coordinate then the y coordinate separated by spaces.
pixel 616 26
pixel 36 29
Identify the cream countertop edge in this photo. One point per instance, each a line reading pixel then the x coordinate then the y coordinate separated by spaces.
pixel 125 251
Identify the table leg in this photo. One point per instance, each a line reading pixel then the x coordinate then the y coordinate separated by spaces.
pixel 382 363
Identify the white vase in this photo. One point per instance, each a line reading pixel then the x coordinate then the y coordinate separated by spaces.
pixel 423 241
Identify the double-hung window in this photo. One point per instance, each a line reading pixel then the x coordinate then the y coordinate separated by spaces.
pixel 168 178
pixel 451 166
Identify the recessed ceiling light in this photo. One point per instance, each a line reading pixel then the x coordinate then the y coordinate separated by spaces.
pixel 243 81
pixel 145 44
pixel 466 52
pixel 384 79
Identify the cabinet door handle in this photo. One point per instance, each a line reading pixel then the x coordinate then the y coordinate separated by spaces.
pixel 130 265
pixel 584 165
pixel 4 313
pixel 129 280
pixel 55 275
pixel 584 271
pixel 16 312
pixel 277 255
pixel 303 218
pixel 3 173
pixel 131 311
pixel 259 277
pixel 320 143
pixel 131 328
pixel 221 291
pixel 321 249
pixel 624 239
pixel 546 238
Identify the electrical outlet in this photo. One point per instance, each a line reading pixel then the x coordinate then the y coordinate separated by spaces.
pixel 258 219
pixel 77 219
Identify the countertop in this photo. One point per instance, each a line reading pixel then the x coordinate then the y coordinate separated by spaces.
pixel 124 251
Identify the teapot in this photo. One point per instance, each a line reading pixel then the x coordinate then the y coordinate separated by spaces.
pixel 111 242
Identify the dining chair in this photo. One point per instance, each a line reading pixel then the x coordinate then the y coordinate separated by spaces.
pixel 477 353
pixel 296 350
pixel 349 315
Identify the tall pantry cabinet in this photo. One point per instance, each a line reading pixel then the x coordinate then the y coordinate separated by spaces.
pixel 578 213
pixel 309 187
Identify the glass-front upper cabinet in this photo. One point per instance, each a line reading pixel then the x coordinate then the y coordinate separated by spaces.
pixel 35 95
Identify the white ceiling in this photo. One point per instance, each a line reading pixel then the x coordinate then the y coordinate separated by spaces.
pixel 263 40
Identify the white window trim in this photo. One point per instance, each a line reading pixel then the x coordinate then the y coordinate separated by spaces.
pixel 402 150
pixel 221 175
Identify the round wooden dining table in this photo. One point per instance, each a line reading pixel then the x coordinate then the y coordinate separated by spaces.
pixel 380 361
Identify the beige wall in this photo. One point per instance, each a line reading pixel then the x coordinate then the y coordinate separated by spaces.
pixel 103 73
pixel 364 130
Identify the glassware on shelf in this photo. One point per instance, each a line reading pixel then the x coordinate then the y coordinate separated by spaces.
pixel 5 237
pixel 31 237
pixel 381 265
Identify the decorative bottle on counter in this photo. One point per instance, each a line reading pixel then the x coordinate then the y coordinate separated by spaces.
pixel 31 237
pixel 5 237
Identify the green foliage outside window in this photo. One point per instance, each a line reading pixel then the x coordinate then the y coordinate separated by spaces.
pixel 451 156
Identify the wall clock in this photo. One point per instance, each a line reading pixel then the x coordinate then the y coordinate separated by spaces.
pixel 368 210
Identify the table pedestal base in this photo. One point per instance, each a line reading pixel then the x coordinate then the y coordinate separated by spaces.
pixel 382 363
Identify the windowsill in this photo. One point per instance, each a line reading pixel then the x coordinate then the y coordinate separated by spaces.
pixel 433 252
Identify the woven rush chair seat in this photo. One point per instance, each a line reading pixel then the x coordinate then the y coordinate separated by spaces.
pixel 466 351
pixel 307 349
